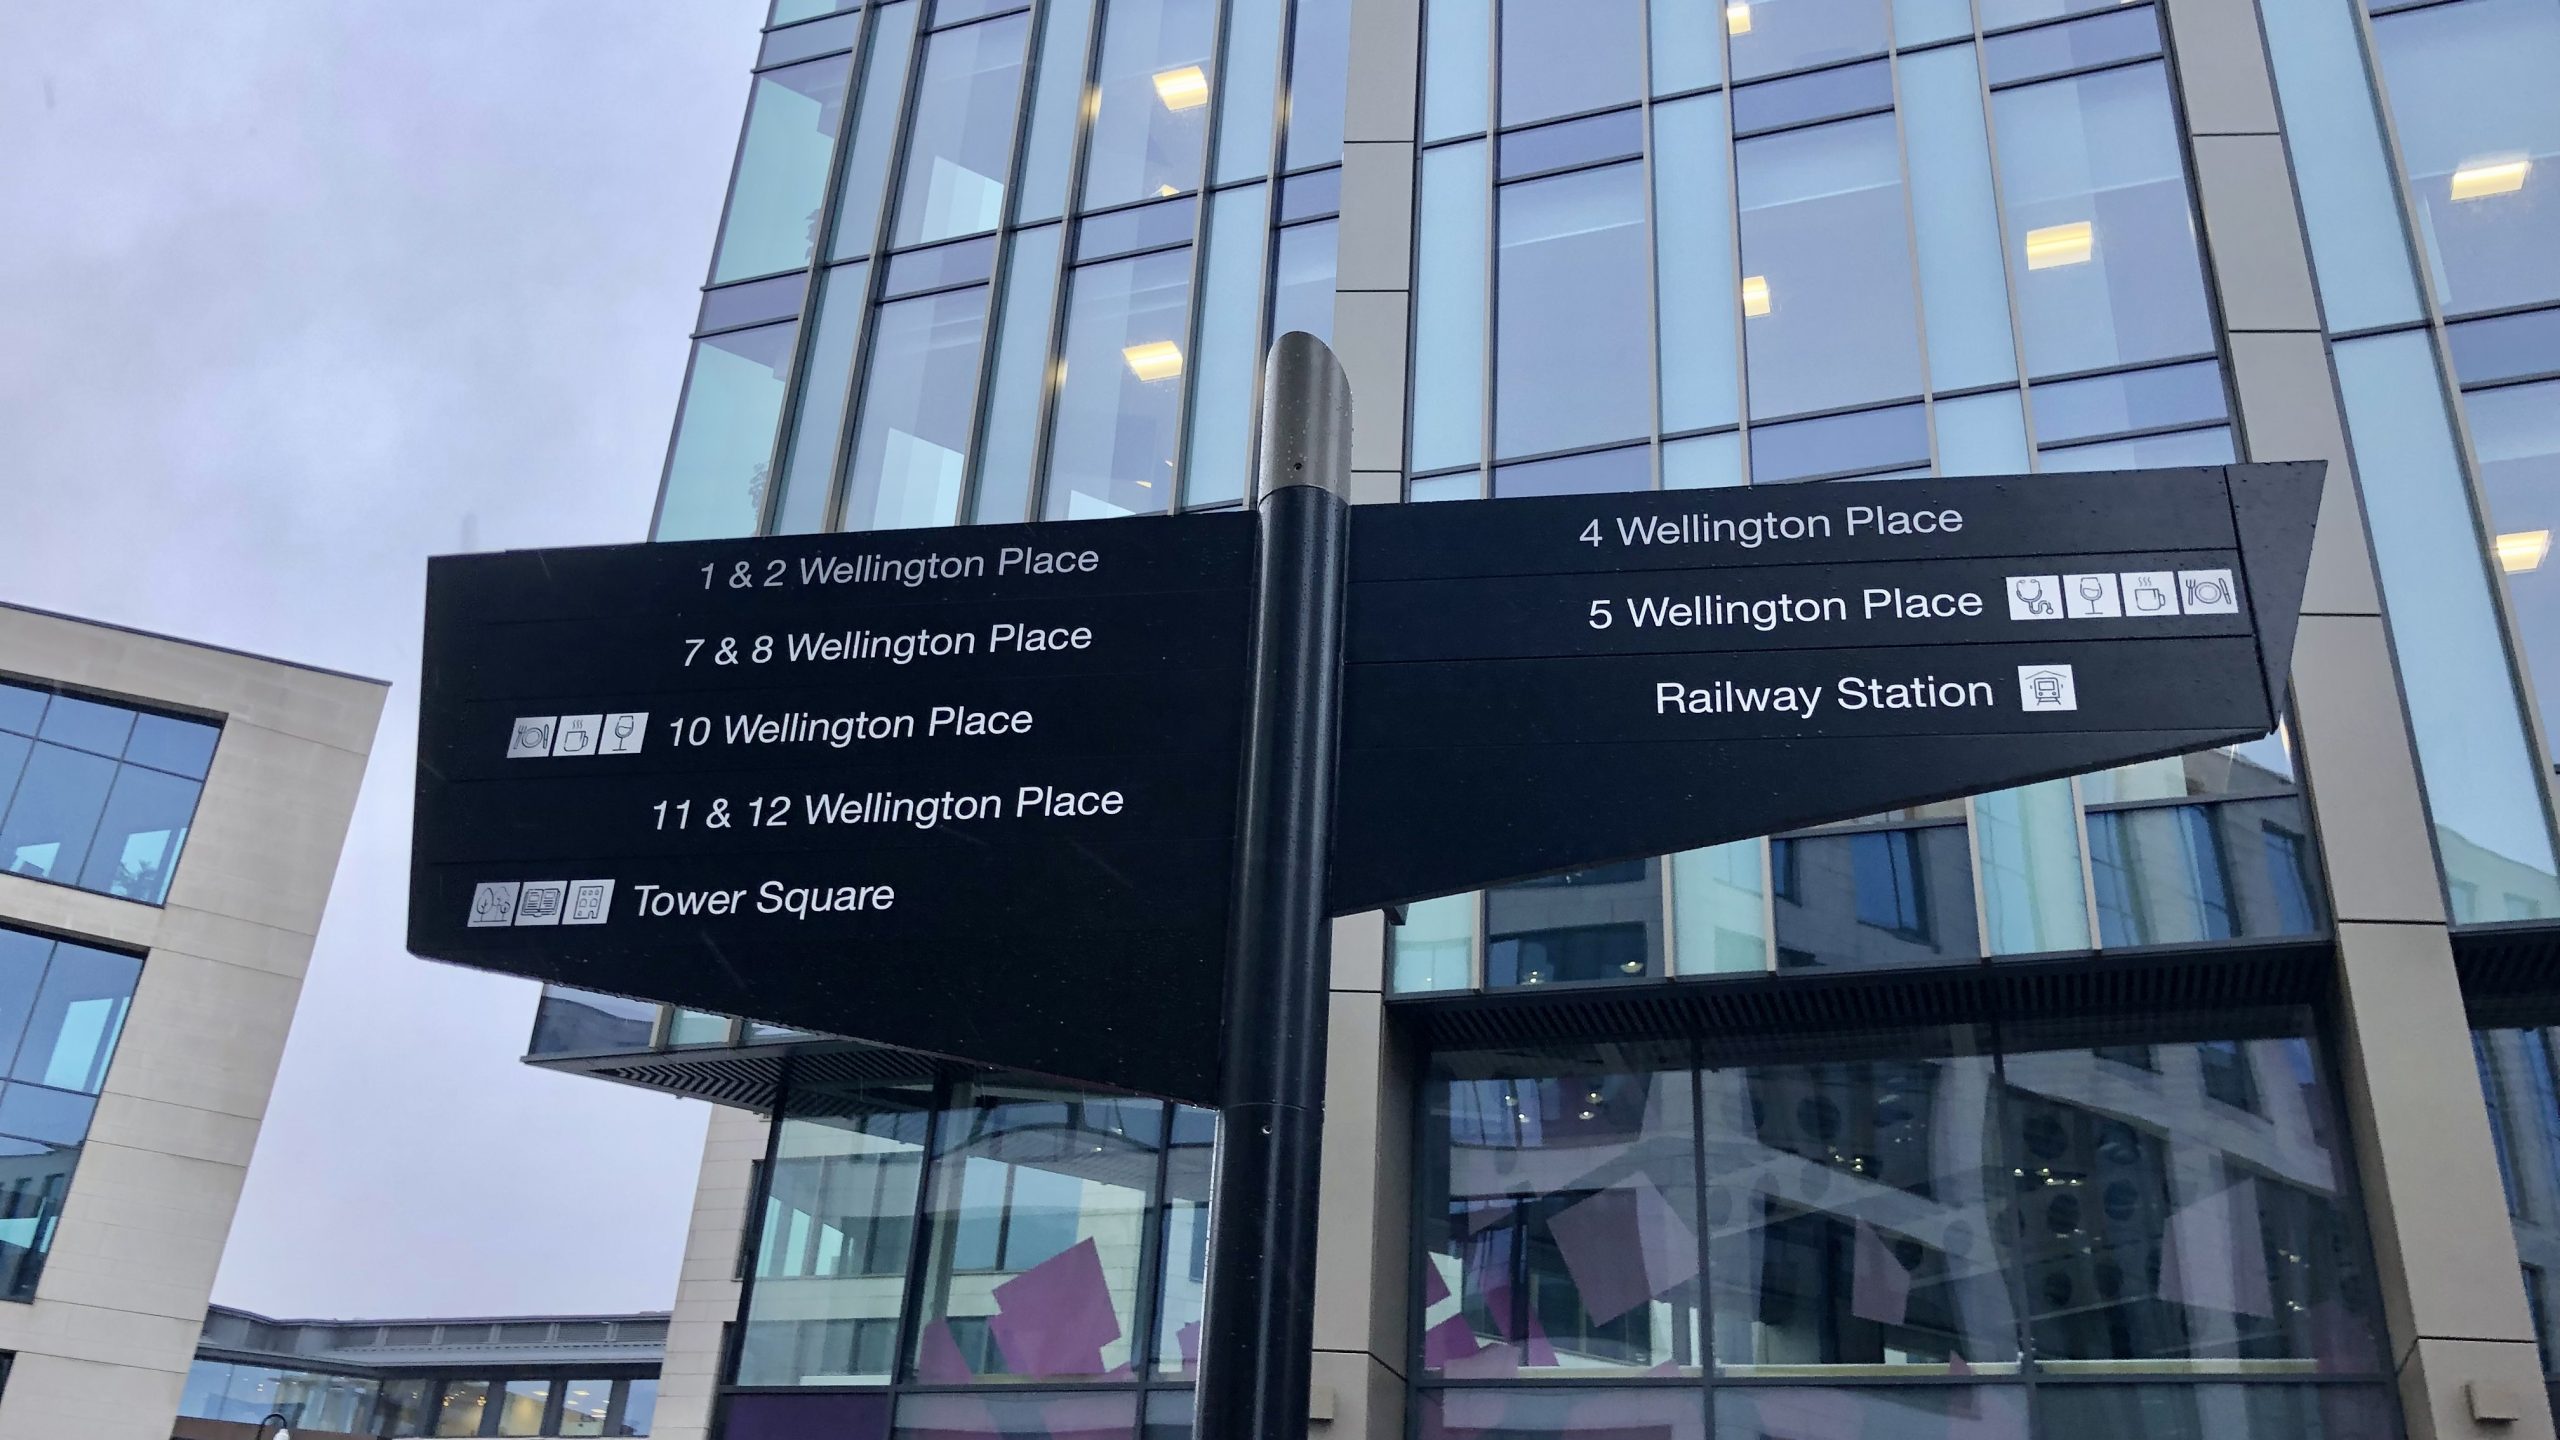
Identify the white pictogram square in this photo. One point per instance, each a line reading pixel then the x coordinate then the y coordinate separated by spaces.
pixel 540 902
pixel 590 902
pixel 493 903
pixel 2208 592
pixel 2091 597
pixel 2150 594
pixel 530 737
pixel 578 735
pixel 2046 687
pixel 624 732
pixel 2035 597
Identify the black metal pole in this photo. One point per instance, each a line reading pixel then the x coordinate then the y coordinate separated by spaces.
pixel 1259 1329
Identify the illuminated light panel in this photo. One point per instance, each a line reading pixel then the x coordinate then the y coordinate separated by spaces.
pixel 2522 550
pixel 1737 17
pixel 2058 245
pixel 1166 192
pixel 1155 360
pixel 1183 89
pixel 1755 294
pixel 2490 177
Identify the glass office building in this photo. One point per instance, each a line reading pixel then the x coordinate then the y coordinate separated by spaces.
pixel 2211 1097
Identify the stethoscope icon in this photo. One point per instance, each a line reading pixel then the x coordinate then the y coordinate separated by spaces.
pixel 2030 592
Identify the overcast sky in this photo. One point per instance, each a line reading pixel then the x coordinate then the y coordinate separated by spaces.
pixel 297 292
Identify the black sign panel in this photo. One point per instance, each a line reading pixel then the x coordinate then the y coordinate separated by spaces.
pixel 965 791
pixel 1543 684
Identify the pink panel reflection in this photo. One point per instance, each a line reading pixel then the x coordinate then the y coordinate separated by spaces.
pixel 1056 1317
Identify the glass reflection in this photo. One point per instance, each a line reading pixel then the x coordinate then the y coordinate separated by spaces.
pixel 1603 923
pixel 1578 1414
pixel 1772 37
pixel 918 408
pixel 2515 433
pixel 779 190
pixel 1874 898
pixel 1040 1211
pixel 2170 874
pixel 1851 1209
pixel 1564 57
pixel 723 453
pixel 1559 1218
pixel 2218 1412
pixel 839 1218
pixel 1935 1413
pixel 960 150
pixel 1185 1240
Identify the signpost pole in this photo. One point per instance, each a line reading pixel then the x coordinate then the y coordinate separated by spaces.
pixel 1259 1325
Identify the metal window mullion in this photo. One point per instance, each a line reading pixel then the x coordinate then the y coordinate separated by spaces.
pixel 1483 938
pixel 1079 157
pixel 786 426
pixel 759 1204
pixel 1733 297
pixel 924 1237
pixel 1285 78
pixel 1147 1319
pixel 1000 274
pixel 1195 306
pixel 1487 372
pixel 1981 891
pixel 2088 866
pixel 1920 327
pixel 1652 310
pixel 2000 225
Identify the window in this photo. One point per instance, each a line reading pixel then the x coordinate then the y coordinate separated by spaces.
pixel 1571 293
pixel 461 1406
pixel 917 412
pixel 639 1407
pixel 584 1406
pixel 839 1217
pixel 96 794
pixel 1885 897
pixel 722 458
pixel 1825 254
pixel 520 1406
pixel 1119 408
pixel 1151 113
pixel 776 195
pixel 961 148
pixel 62 1007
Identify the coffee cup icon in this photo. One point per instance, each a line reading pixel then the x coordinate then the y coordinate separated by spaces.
pixel 2149 598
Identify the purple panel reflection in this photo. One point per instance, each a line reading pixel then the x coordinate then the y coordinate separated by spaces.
pixel 807 1417
pixel 1018 1417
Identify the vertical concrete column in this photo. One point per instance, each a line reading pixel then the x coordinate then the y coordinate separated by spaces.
pixel 707 1289
pixel 2461 1337
pixel 1364 1226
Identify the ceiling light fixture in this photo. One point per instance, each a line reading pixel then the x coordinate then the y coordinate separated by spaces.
pixel 1755 294
pixel 2058 245
pixel 2500 176
pixel 2522 550
pixel 1183 89
pixel 1737 17
pixel 1153 361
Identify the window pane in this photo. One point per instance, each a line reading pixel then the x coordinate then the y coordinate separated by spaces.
pixel 520 1407
pixel 809 470
pixel 30 1208
pixel 2479 128
pixel 724 434
pixel 2483 785
pixel 1859 1219
pixel 1014 1417
pixel 1576 1414
pixel 640 1407
pixel 1863 442
pixel 1772 37
pixel 2349 202
pixel 1185 1240
pixel 570 1022
pixel 2027 842
pixel 78 1014
pixel 1435 946
pixel 21 709
pixel 1058 98
pixel 2177 874
pixel 961 149
pixel 1062 1193
pixel 1302 288
pixel 2159 1222
pixel 2140 400
pixel 1982 435
pixel 1605 472
pixel 145 824
pixel 2259 767
pixel 1457 37
pixel 2053 49
pixel 1705 462
pixel 1448 310
pixel 752 302
pixel 1688 45
pixel 1120 404
pixel 2515 432
pixel 1230 358
pixel 1604 923
pixel 1693 264
pixel 1249 80
pixel 1562 57
pixel 181 747
pixel 60 794
pixel 2100 234
pixel 1782 1413
pixel 87 725
pixel 1022 376
pixel 583 1404
pixel 780 188
pixel 1573 287
pixel 1917 22
pixel 459 1408
pixel 2185 447
pixel 875 131
pixel 51 1117
pixel 13 760
pixel 1559 1218
pixel 1319 80
pixel 1958 223
pixel 839 1217
pixel 1719 924
pixel 1152 114
pixel 1882 898
pixel 1824 255
pixel 917 411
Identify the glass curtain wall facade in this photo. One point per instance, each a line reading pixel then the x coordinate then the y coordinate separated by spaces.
pixel 2426 144
pixel 97 794
pixel 988 261
pixel 62 1009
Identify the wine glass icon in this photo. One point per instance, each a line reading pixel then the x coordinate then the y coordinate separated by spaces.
pixel 623 725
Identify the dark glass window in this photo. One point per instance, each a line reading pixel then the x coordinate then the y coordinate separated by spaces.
pixel 839 1219
pixel 1891 897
